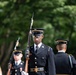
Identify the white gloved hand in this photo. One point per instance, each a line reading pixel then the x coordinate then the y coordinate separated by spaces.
pixel 24 73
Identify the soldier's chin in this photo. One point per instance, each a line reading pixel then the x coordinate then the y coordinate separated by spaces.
pixel 16 59
pixel 37 43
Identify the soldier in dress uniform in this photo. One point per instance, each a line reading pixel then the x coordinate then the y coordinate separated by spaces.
pixel 41 59
pixel 64 64
pixel 17 65
pixel 17 47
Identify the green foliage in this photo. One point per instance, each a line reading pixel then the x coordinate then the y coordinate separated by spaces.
pixel 57 17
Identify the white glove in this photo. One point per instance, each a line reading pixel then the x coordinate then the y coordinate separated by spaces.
pixel 24 73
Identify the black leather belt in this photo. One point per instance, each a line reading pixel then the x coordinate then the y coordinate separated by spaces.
pixel 36 69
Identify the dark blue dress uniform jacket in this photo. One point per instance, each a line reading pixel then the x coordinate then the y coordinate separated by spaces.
pixel 43 58
pixel 16 68
pixel 62 63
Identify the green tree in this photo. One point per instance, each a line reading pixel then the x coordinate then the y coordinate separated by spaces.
pixel 57 17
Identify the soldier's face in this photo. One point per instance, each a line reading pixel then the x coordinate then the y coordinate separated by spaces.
pixel 17 57
pixel 38 39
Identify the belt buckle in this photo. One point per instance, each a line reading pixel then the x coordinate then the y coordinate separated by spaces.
pixel 36 69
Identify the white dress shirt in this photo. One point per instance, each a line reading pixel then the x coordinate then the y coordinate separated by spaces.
pixel 39 45
pixel 18 62
pixel 61 51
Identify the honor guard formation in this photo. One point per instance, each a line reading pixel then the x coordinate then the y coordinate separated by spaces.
pixel 40 58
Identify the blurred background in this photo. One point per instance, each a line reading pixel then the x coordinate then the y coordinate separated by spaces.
pixel 57 17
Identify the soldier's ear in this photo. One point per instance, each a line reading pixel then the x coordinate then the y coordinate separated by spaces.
pixel 42 36
pixel 21 55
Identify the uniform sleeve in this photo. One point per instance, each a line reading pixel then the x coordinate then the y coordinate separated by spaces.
pixel 11 61
pixel 73 60
pixel 74 65
pixel 51 63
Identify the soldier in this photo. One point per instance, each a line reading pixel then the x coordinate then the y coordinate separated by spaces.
pixel 17 65
pixel 41 59
pixel 12 58
pixel 64 62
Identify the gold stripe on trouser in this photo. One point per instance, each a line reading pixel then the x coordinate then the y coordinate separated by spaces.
pixel 62 74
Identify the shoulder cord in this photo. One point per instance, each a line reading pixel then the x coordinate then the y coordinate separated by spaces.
pixel 70 61
pixel 49 49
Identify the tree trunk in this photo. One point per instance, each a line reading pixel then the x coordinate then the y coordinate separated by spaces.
pixel 5 55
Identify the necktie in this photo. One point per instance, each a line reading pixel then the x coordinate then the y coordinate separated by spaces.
pixel 36 49
pixel 16 63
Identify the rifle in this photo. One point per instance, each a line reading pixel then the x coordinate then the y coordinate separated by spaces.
pixel 17 43
pixel 12 59
pixel 28 46
pixel 15 48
